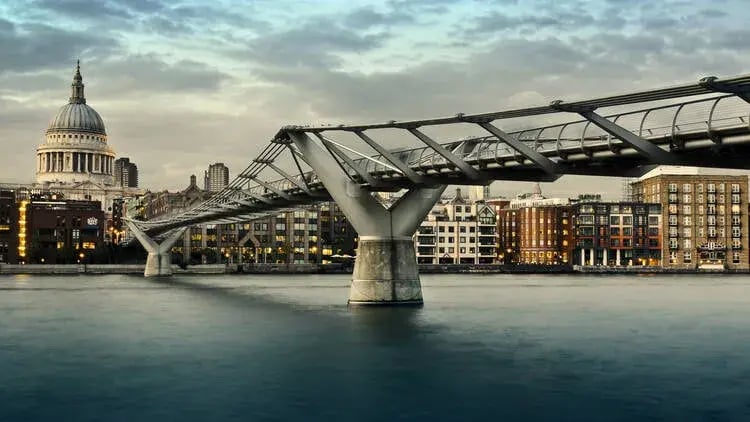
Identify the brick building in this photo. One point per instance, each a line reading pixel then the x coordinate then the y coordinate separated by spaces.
pixel 705 215
pixel 617 233
pixel 8 227
pixel 59 231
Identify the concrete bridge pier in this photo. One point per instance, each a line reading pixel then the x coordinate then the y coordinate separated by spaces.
pixel 159 260
pixel 385 270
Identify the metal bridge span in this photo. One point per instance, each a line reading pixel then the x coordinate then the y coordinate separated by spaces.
pixel 705 124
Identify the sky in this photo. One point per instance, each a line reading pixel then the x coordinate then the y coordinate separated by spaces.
pixel 182 84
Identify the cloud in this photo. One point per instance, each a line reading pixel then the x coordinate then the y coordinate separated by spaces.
pixel 317 43
pixel 30 47
pixel 184 84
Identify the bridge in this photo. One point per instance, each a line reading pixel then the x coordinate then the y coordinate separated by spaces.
pixel 704 124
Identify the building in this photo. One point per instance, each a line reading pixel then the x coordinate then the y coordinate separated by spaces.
pixel 536 234
pixel 534 230
pixel 617 234
pixel 59 231
pixel 458 231
pixel 705 214
pixel 75 147
pixel 8 227
pixel 126 173
pixel 76 160
pixel 216 177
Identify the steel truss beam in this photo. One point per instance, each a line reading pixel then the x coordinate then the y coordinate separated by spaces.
pixel 334 150
pixel 388 156
pixel 712 83
pixel 540 160
pixel 649 150
pixel 467 169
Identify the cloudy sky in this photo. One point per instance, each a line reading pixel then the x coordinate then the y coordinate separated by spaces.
pixel 181 84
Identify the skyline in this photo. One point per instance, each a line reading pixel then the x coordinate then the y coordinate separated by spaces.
pixel 170 78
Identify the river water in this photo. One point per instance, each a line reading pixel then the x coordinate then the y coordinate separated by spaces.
pixel 484 347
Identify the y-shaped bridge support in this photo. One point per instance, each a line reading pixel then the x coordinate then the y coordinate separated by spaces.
pixel 159 260
pixel 385 270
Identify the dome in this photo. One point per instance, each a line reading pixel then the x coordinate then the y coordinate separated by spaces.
pixel 76 115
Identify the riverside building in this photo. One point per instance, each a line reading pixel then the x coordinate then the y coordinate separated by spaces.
pixel 617 234
pixel 533 229
pixel 458 232
pixel 705 216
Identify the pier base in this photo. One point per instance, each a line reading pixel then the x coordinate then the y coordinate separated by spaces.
pixel 159 260
pixel 386 273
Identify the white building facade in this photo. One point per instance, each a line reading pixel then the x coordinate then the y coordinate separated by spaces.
pixel 458 232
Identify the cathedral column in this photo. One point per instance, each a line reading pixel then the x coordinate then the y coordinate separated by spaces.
pixel 90 162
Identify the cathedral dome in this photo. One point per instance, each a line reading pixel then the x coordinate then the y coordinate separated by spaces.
pixel 76 115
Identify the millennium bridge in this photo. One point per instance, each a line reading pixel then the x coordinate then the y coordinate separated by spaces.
pixel 704 124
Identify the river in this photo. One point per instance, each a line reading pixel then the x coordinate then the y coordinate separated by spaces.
pixel 484 347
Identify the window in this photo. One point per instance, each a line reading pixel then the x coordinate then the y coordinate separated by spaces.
pixel 614 220
pixel 687 257
pixel 721 187
pixel 687 232
pixel 673 231
pixel 441 239
pixel 462 239
pixel 461 250
pixel 451 250
pixel 673 257
pixel 735 198
pixel 627 220
pixel 735 188
pixel 673 187
pixel 736 231
pixel 687 198
pixel 687 209
pixel 687 243
pixel 736 243
pixel 672 209
pixel 585 219
pixel 451 239
pixel 672 220
pixel 686 220
pixel 673 243
pixel 627 231
pixel 653 231
pixel 699 188
pixel 451 229
pixel 735 257
pixel 441 229
pixel 614 231
pixel 653 220
pixel 462 229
